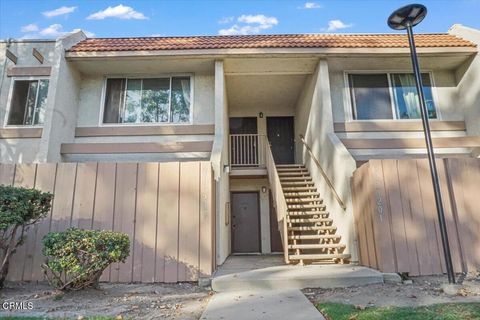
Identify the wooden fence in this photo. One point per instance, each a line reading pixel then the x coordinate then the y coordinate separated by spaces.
pixel 167 209
pixel 396 218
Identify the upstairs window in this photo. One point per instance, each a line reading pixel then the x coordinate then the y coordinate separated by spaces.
pixel 389 96
pixel 29 99
pixel 149 100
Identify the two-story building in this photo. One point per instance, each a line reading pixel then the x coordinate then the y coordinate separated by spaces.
pixel 281 121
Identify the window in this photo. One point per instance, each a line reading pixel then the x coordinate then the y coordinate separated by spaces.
pixel 29 99
pixel 149 100
pixel 389 96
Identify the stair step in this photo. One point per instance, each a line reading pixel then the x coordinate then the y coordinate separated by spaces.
pixel 312 228
pixel 317 246
pixel 293 174
pixel 290 166
pixel 314 237
pixel 299 183
pixel 300 200
pixel 319 256
pixel 302 195
pixel 302 207
pixel 306 178
pixel 308 220
pixel 299 189
pixel 297 214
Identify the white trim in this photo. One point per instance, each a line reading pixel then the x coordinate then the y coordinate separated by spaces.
pixel 348 106
pixel 147 76
pixel 10 96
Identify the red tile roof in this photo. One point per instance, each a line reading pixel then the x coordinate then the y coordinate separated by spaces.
pixel 269 41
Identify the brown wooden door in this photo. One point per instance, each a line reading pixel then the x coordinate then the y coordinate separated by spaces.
pixel 281 137
pixel 275 238
pixel 245 222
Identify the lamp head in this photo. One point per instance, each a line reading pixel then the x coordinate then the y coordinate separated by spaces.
pixel 404 17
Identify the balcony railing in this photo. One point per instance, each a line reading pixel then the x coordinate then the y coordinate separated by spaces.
pixel 247 150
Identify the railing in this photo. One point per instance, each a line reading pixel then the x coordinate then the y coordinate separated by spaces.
pixel 247 150
pixel 278 198
pixel 324 175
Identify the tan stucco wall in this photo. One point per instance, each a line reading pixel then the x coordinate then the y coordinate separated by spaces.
pixel 20 150
pixel 314 120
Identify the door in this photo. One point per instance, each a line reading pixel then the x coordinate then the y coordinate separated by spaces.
pixel 281 137
pixel 275 237
pixel 243 141
pixel 245 222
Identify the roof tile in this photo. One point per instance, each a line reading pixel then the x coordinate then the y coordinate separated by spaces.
pixel 269 41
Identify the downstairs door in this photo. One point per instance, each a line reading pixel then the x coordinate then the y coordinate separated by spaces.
pixel 245 222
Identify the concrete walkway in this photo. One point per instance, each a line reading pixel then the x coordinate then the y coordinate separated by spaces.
pixel 260 304
pixel 263 287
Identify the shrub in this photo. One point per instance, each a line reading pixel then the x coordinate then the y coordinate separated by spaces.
pixel 76 258
pixel 19 209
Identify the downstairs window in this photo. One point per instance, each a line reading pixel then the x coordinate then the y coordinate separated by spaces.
pixel 148 100
pixel 389 96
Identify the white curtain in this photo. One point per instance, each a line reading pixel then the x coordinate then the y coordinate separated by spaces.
pixel 409 93
pixel 186 91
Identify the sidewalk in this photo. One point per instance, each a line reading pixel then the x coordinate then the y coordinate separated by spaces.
pixel 257 304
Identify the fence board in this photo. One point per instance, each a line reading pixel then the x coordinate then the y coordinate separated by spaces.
pixel 168 217
pixel 84 197
pixel 409 192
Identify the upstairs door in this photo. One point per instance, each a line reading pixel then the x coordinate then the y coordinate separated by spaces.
pixel 281 137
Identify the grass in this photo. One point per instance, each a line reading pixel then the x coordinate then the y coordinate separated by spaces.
pixel 448 311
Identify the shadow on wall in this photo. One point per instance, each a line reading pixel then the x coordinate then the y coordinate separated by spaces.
pixel 397 220
pixel 147 201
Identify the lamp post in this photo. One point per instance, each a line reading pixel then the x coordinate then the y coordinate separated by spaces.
pixel 406 18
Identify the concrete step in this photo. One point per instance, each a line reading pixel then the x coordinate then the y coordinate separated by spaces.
pixel 317 246
pixel 319 256
pixel 286 170
pixel 314 237
pixel 292 276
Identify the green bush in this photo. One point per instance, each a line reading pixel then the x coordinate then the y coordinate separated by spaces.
pixel 19 209
pixel 76 258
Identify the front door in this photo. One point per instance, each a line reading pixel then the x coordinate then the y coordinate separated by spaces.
pixel 245 222
pixel 281 137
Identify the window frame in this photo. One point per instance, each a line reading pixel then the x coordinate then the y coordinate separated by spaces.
pixel 149 76
pixel 10 97
pixel 349 104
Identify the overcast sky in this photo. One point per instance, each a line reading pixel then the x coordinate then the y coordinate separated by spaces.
pixel 52 18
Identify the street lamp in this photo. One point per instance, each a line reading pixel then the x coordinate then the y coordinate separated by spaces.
pixel 406 18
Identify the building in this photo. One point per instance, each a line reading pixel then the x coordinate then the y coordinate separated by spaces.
pixel 278 124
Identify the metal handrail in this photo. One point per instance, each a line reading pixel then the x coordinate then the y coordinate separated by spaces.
pixel 247 150
pixel 327 179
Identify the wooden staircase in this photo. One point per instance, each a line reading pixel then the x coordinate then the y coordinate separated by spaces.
pixel 310 231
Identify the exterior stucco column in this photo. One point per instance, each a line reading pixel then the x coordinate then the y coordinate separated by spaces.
pixel 62 102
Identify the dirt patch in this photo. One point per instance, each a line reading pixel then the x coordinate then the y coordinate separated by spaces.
pixel 421 291
pixel 130 301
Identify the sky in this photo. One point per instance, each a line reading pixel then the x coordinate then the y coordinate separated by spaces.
pixel 119 18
